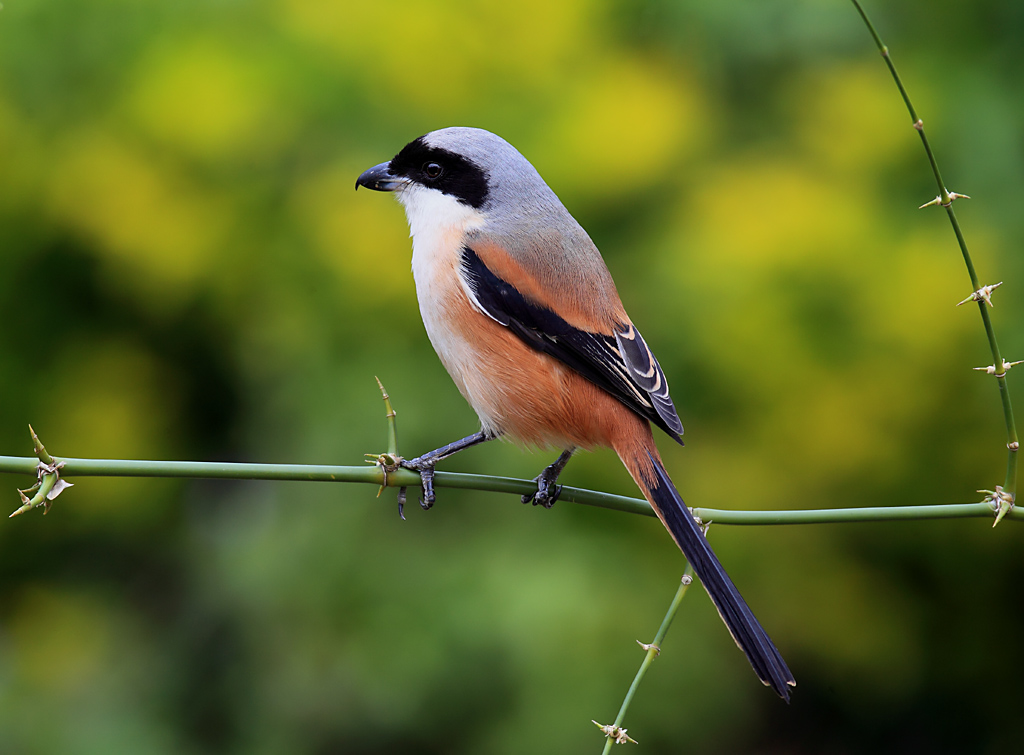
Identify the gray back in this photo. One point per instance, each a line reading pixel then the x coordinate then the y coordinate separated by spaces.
pixel 525 217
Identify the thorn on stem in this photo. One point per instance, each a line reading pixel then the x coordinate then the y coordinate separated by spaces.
pixel 388 462
pixel 649 647
pixel 704 526
pixel 48 485
pixel 38 449
pixel 983 294
pixel 945 199
pixel 1000 500
pixel 387 399
pixel 616 733
pixel 992 370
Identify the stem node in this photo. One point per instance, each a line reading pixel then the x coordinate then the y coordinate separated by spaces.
pixel 983 294
pixel 1001 502
pixel 48 485
pixel 614 733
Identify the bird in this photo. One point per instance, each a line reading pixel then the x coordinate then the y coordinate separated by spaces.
pixel 523 313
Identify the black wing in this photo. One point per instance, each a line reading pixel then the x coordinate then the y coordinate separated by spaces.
pixel 621 364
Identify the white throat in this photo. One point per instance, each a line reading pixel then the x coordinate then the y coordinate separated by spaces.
pixel 438 224
pixel 432 213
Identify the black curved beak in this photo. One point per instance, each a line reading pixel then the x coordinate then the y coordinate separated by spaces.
pixel 379 178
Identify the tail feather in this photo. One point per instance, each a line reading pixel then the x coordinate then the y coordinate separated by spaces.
pixel 744 627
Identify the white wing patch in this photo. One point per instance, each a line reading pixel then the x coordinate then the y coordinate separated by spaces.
pixel 645 371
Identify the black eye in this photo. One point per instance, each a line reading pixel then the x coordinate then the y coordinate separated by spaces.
pixel 433 170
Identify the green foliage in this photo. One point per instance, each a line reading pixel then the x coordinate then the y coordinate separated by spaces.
pixel 187 273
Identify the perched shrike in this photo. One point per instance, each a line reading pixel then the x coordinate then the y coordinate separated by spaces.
pixel 522 311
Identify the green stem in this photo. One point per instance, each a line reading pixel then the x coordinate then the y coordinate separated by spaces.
pixel 390 414
pixel 918 124
pixel 1012 443
pixel 864 514
pixel 652 651
pixel 38 447
pixel 323 473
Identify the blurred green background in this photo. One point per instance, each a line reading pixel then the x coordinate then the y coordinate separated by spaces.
pixel 187 273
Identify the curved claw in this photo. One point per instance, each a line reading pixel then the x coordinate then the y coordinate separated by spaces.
pixel 547 489
pixel 401 503
pixel 427 482
pixel 426 472
pixel 545 495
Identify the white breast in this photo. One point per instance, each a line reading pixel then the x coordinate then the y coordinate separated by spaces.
pixel 438 224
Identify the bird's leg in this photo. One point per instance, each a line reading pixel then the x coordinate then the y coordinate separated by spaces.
pixel 547 489
pixel 425 464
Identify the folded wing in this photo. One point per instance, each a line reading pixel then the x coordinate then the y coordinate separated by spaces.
pixel 619 362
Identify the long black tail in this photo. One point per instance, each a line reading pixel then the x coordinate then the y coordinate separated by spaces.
pixel 745 629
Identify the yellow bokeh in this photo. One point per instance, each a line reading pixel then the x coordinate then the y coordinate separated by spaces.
pixel 143 214
pixel 434 56
pixel 914 307
pixel 618 128
pixel 764 213
pixel 848 118
pixel 362 237
pixel 206 99
pixel 123 408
